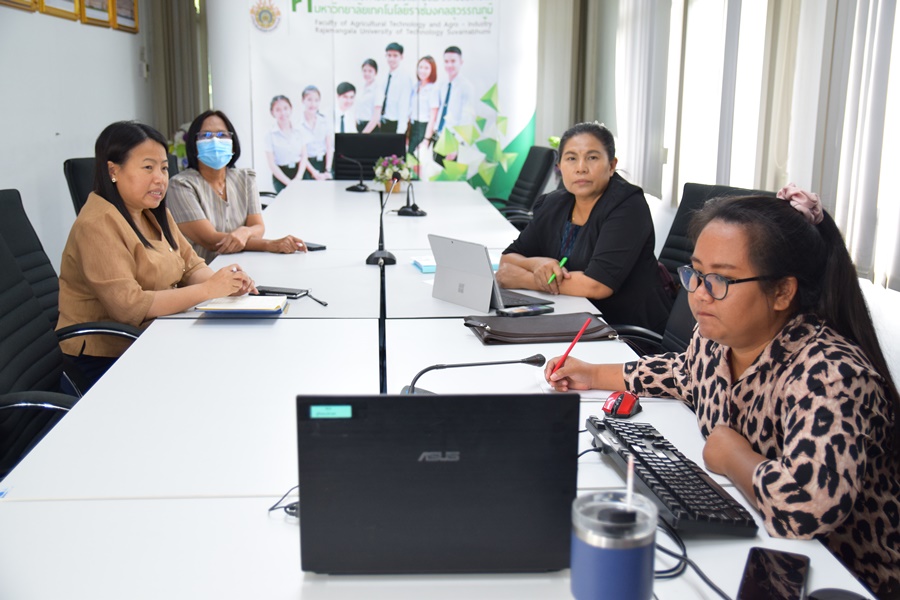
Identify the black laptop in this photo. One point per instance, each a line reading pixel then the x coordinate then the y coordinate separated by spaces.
pixel 436 484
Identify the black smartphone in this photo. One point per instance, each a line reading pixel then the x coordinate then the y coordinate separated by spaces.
pixel 525 311
pixel 312 247
pixel 268 290
pixel 774 574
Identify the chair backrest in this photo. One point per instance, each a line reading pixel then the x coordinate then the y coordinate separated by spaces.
pixel 678 247
pixel 80 177
pixel 30 356
pixel 532 178
pixel 680 326
pixel 21 239
pixel 174 166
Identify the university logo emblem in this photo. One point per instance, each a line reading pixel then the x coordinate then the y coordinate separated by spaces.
pixel 265 15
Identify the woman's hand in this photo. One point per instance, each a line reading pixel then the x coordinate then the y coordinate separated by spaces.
pixel 286 245
pixel 234 241
pixel 574 374
pixel 543 269
pixel 228 281
pixel 322 176
pixel 729 453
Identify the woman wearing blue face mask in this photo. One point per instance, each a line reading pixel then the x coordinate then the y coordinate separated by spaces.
pixel 216 205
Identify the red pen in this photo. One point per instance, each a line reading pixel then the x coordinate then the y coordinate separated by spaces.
pixel 572 345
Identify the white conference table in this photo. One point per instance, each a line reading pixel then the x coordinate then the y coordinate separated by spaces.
pixel 323 212
pixel 157 483
pixel 199 408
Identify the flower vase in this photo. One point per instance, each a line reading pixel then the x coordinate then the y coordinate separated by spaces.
pixel 398 186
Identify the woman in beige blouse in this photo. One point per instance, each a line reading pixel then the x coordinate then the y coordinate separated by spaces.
pixel 125 259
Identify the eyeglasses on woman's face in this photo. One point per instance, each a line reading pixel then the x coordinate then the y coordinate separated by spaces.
pixel 716 285
pixel 208 135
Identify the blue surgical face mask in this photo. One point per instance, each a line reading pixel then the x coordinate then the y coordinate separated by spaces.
pixel 214 153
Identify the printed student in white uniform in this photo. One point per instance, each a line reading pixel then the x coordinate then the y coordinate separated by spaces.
pixel 318 135
pixel 370 99
pixel 344 113
pixel 398 88
pixel 457 98
pixel 285 150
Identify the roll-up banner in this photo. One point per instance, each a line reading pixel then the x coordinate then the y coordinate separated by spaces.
pixel 456 77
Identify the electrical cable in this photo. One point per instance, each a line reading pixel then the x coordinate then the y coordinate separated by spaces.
pixel 684 560
pixel 289 509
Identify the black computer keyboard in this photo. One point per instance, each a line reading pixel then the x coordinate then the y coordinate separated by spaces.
pixel 511 299
pixel 687 497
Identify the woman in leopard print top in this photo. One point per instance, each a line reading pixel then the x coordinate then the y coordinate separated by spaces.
pixel 784 372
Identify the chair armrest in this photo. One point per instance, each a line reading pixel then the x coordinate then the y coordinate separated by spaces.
pixel 99 328
pixel 267 194
pixel 38 399
pixel 642 341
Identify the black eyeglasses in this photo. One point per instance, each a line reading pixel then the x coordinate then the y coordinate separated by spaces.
pixel 208 135
pixel 716 285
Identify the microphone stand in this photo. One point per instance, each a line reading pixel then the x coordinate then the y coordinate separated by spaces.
pixel 359 187
pixel 411 210
pixel 381 256
pixel 536 360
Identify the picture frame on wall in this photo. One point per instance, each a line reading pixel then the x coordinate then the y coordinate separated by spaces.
pixel 29 5
pixel 67 9
pixel 125 15
pixel 96 12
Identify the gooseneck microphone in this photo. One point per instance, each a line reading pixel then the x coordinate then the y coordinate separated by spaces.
pixel 359 187
pixel 382 256
pixel 411 210
pixel 537 360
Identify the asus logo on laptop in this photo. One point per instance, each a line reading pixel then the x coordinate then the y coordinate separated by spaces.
pixel 439 457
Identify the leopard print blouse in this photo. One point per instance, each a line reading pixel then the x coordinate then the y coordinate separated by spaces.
pixel 814 406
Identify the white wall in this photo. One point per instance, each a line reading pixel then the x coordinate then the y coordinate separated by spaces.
pixel 62 83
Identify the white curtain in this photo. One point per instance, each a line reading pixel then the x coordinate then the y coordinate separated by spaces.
pixel 642 44
pixel 857 196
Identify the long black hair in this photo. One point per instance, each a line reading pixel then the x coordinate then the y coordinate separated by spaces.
pixel 783 243
pixel 190 141
pixel 115 144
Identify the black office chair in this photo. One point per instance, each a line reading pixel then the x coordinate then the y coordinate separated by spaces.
pixel 31 365
pixel 80 177
pixel 23 242
pixel 79 174
pixel 529 185
pixel 675 338
pixel 678 247
pixel 32 262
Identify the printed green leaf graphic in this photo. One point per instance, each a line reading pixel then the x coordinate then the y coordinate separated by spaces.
pixel 446 144
pixel 467 132
pixel 453 171
pixel 502 123
pixel 487 170
pixel 493 151
pixel 492 98
pixel 480 122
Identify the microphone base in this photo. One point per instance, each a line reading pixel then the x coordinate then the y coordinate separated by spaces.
pixel 416 391
pixel 411 211
pixel 381 256
pixel 359 187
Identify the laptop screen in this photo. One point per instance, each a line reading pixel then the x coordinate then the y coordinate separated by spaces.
pixel 436 484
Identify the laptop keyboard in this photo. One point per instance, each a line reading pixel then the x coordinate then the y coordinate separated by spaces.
pixel 688 499
pixel 511 299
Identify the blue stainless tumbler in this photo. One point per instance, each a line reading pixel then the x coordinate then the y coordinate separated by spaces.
pixel 612 547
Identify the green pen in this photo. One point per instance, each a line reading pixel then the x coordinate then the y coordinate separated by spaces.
pixel 562 263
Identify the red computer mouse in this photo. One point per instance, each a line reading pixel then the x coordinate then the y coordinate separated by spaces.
pixel 621 405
